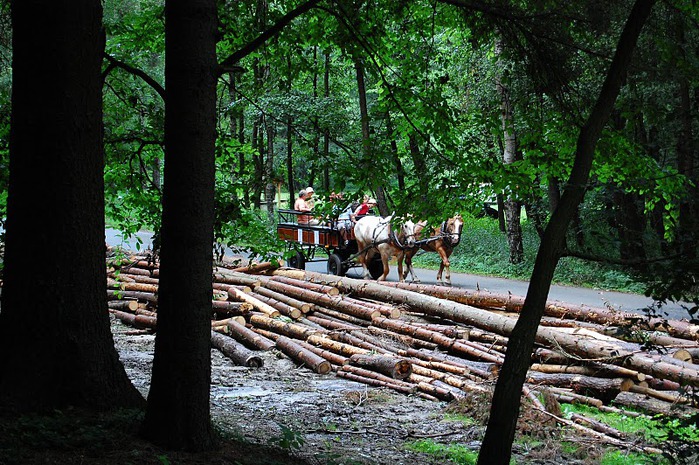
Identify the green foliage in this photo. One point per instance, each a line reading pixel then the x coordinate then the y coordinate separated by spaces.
pixel 289 439
pixel 630 458
pixel 454 452
pixel 656 430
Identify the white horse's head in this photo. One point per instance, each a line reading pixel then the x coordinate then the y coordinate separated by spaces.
pixel 407 233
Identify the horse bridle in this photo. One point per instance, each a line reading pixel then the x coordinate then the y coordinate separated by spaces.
pixel 446 235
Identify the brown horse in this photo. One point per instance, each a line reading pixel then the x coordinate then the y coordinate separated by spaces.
pixel 442 241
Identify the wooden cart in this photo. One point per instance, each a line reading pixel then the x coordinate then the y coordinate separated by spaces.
pixel 306 240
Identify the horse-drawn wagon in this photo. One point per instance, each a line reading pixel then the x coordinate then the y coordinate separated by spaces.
pixel 332 238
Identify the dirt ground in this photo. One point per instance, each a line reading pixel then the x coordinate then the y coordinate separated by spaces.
pixel 322 419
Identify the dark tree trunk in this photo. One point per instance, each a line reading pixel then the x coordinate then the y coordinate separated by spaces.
pixel 420 166
pixel 178 415
pixel 290 161
pixel 326 132
pixel 630 223
pixel 57 180
pixel 258 163
pixel 400 170
pixel 375 183
pixel 686 159
pixel 496 448
pixel 270 187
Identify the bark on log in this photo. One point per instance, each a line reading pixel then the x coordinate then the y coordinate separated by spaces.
pixel 256 268
pixel 340 316
pixel 225 276
pixel 652 405
pixel 667 396
pixel 402 388
pixel 305 307
pixel 325 342
pixel 597 426
pixel 292 330
pixel 137 321
pixel 304 356
pixel 247 336
pixel 284 309
pixel 131 295
pixel 299 283
pixel 390 366
pixel 239 354
pixel 605 389
pixel 123 305
pixel 231 308
pixel 332 325
pixel 331 357
pixel 236 294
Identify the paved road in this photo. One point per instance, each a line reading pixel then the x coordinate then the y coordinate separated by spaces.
pixel 575 295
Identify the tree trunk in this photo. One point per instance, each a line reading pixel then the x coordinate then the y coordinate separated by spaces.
pixel 270 187
pixel 497 443
pixel 400 170
pixel 57 178
pixel 178 415
pixel 512 206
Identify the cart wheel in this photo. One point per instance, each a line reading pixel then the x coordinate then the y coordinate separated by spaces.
pixel 335 265
pixel 298 261
pixel 376 267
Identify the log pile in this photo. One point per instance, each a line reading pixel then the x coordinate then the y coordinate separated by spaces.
pixel 440 343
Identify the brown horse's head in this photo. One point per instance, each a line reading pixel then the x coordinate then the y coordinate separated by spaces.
pixel 451 230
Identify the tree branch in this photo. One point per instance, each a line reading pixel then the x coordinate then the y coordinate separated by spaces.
pixel 230 63
pixel 114 63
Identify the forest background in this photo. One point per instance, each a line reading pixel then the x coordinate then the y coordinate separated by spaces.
pixel 430 108
pixel 429 115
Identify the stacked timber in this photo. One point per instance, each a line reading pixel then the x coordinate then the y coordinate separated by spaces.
pixel 440 343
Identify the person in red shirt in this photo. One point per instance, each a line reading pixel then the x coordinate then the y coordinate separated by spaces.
pixel 363 209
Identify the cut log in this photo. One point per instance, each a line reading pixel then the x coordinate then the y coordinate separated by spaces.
pixel 123 305
pixel 113 294
pixel 320 288
pixel 597 426
pixel 390 366
pixel 330 324
pixel 236 294
pixel 335 346
pixel 304 356
pixel 667 396
pixel 293 330
pixel 331 357
pixel 247 336
pixel 402 388
pixel 231 308
pixel 605 389
pixel 238 353
pixel 652 405
pixel 305 307
pixel 224 276
pixel 137 321
pixel 284 309
pixel 255 268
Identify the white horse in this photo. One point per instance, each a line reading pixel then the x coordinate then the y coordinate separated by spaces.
pixel 373 234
